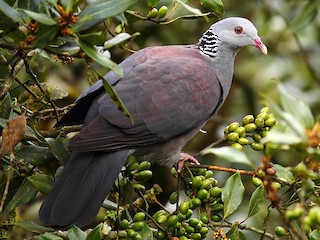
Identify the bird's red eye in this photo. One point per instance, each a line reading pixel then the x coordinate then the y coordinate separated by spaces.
pixel 238 30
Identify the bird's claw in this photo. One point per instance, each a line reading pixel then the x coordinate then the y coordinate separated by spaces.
pixel 184 157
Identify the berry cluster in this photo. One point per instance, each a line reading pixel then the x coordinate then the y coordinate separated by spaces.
pixel 251 127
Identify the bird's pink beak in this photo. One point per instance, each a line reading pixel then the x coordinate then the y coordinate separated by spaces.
pixel 261 46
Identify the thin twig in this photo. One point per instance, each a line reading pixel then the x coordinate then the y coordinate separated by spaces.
pixel 224 169
pixel 6 189
pixel 35 79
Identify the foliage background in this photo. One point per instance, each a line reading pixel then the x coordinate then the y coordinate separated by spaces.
pixel 290 29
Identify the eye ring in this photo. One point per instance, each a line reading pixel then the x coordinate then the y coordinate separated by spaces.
pixel 238 30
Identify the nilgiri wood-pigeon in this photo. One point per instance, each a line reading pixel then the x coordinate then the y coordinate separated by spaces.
pixel 171 92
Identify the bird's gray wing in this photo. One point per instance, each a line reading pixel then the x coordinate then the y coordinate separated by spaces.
pixel 171 91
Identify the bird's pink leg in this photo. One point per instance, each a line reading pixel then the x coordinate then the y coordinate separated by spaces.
pixel 184 157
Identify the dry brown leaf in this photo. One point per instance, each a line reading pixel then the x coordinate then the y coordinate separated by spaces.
pixel 13 134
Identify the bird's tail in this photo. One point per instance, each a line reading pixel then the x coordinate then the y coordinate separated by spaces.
pixel 80 189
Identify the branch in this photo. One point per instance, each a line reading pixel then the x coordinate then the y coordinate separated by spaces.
pixel 224 169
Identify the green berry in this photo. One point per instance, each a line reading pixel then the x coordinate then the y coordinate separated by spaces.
pixel 162 219
pixel 237 146
pixel 208 174
pixel 201 171
pixel 259 122
pixel 215 192
pixel 174 172
pixel 153 13
pixel 172 221
pixel 232 137
pixel 314 214
pixel 270 122
pixel 206 184
pixel 243 141
pixel 257 146
pixel 144 175
pixel 131 233
pixel 183 238
pixel 204 217
pixel 140 187
pixel 196 182
pixel 203 194
pixel 189 229
pixel 265 110
pixel 137 237
pixel 137 226
pixel 163 11
pixel 124 224
pixel 203 231
pixel 158 213
pixel 275 186
pixel 118 29
pixel 145 165
pixel 217 207
pixel 233 126
pixel 189 214
pixel 140 216
pixel 240 130
pixel 250 127
pixel 173 197
pixel 280 231
pixel 256 137
pixel 300 170
pixel 247 119
pixel 263 115
pixel 193 222
pixel 184 207
pixel 256 181
pixel 196 236
pixel 132 166
pixel 261 173
pixel 216 218
pixel 194 203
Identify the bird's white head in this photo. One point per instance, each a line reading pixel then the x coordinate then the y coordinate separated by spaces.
pixel 238 32
pixel 234 32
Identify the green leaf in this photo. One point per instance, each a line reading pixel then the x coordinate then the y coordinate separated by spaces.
pixel 41 17
pixel 298 109
pixel 67 5
pixel 33 227
pixel 45 35
pixel 100 58
pixel 282 135
pixel 41 182
pixel 47 236
pixel 5 107
pixel 235 234
pixel 96 13
pixel 120 38
pixel 116 99
pixel 146 232
pixel 229 154
pixel 94 38
pixel 213 5
pixel 308 14
pixel 256 199
pixel 283 173
pixel 232 194
pixel 152 3
pixel 76 233
pixel 10 12
pixel 95 234
pixel 195 11
pixel 287 121
pixel 58 147
pixel 33 154
pixel 24 194
pixel 314 235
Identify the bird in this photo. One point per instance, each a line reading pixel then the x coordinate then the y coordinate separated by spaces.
pixel 170 91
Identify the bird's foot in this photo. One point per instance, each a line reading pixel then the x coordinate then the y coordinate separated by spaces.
pixel 184 157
